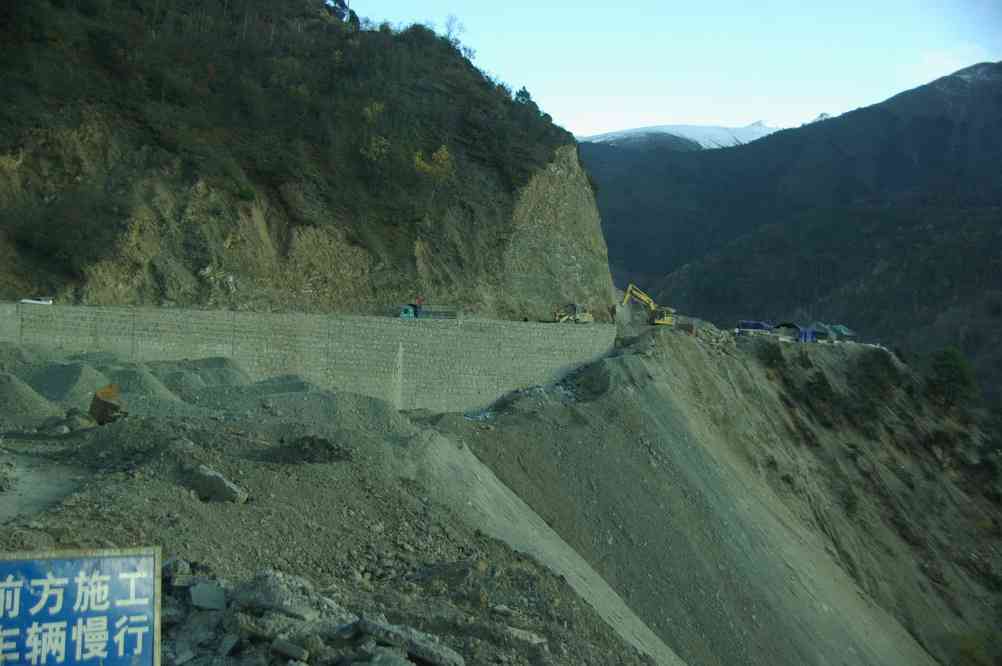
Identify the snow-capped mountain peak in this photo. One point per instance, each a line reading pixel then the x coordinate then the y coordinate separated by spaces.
pixel 707 136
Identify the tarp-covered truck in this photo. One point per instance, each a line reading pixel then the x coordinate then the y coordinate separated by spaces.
pixel 414 311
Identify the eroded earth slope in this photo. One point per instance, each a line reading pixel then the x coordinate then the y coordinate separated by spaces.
pixel 689 499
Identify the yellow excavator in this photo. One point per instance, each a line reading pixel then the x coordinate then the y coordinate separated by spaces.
pixel 657 315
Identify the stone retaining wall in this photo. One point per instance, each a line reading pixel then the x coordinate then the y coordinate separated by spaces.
pixel 442 365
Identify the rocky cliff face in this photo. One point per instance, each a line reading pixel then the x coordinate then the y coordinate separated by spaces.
pixel 180 239
pixel 557 247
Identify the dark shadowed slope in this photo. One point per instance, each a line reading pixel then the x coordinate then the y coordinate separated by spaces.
pixel 938 144
pixel 886 217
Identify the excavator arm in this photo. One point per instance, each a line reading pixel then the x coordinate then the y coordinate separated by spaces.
pixel 636 292
pixel 658 315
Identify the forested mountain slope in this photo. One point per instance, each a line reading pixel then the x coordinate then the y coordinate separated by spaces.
pixel 887 218
pixel 264 155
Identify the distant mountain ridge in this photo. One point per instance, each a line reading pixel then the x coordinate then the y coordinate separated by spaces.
pixel 707 136
pixel 886 217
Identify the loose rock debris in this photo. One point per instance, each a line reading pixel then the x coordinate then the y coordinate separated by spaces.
pixel 212 486
pixel 277 617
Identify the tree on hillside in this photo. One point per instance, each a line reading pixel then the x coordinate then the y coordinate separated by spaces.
pixel 952 379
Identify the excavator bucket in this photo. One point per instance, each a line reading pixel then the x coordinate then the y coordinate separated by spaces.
pixel 106 406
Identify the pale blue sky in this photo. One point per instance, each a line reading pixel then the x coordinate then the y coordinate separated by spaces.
pixel 598 67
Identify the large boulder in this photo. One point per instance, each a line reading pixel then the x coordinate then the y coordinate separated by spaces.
pixel 212 486
pixel 290 595
pixel 425 647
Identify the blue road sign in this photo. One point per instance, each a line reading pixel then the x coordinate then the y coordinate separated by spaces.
pixel 98 607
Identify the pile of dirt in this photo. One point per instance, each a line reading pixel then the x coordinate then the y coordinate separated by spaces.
pixel 279 475
pixel 70 384
pixel 22 407
pixel 139 382
pixel 213 371
pixel 181 382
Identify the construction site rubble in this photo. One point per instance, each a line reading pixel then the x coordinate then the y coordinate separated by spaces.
pixel 421 537
pixel 279 618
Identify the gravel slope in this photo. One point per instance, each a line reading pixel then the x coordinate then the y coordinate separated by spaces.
pixel 682 501
pixel 738 528
pixel 340 488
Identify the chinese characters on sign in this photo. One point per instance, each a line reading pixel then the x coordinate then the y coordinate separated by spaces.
pixel 101 607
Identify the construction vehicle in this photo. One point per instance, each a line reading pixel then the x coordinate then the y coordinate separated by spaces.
pixel 657 315
pixel 573 313
pixel 420 311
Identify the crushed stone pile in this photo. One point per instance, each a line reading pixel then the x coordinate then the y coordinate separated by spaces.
pixel 213 371
pixel 278 474
pixel 22 407
pixel 71 384
pixel 181 382
pixel 139 382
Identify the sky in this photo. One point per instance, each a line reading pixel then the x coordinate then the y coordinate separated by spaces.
pixel 598 67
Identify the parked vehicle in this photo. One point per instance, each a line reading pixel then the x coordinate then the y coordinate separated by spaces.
pixel 753 327
pixel 416 311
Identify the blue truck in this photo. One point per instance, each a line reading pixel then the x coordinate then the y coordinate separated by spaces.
pixel 748 326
